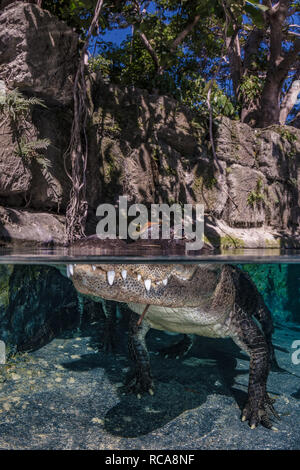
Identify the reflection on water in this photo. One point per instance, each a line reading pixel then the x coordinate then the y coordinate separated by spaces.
pixel 146 253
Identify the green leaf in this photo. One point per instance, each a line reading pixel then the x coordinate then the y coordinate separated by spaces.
pixel 255 15
pixel 257 5
pixel 206 87
pixel 230 30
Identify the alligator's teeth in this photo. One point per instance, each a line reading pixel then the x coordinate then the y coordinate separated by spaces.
pixel 70 270
pixel 148 284
pixel 139 277
pixel 165 282
pixel 124 274
pixel 111 277
pixel 94 267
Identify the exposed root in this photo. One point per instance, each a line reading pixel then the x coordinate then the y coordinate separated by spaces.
pixel 76 213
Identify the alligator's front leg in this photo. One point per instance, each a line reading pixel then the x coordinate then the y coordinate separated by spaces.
pixel 109 307
pixel 259 407
pixel 140 380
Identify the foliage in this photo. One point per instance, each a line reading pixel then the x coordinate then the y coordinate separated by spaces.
pixel 16 107
pixel 256 196
pixel 286 134
pixel 251 88
pixel 78 13
pixel 101 64
pixel 75 12
pixel 177 47
pixel 32 149
pixel 193 93
pixel 182 82
pixel 291 138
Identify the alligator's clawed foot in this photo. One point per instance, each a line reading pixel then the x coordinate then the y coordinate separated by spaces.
pixel 139 383
pixel 178 350
pixel 260 415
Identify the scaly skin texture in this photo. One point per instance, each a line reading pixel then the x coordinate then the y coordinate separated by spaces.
pixel 208 300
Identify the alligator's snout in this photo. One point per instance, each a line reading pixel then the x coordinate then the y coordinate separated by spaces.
pixel 113 273
pixel 168 285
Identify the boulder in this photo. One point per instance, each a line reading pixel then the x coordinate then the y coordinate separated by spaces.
pixel 247 189
pixel 28 181
pixel 152 149
pixel 38 53
pixel 25 227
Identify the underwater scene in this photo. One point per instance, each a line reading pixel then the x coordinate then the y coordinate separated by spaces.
pixel 80 370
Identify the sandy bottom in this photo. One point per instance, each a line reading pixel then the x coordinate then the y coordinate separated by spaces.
pixel 67 395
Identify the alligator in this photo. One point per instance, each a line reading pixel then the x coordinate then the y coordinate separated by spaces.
pixel 213 300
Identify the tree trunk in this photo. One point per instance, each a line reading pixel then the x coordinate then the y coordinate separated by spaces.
pixel 270 102
pixel 250 109
pixel 235 63
pixel 250 113
pixel 278 67
pixel 289 101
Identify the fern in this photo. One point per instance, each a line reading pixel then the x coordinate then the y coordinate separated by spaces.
pixel 256 196
pixel 44 162
pixel 16 105
pixel 30 149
